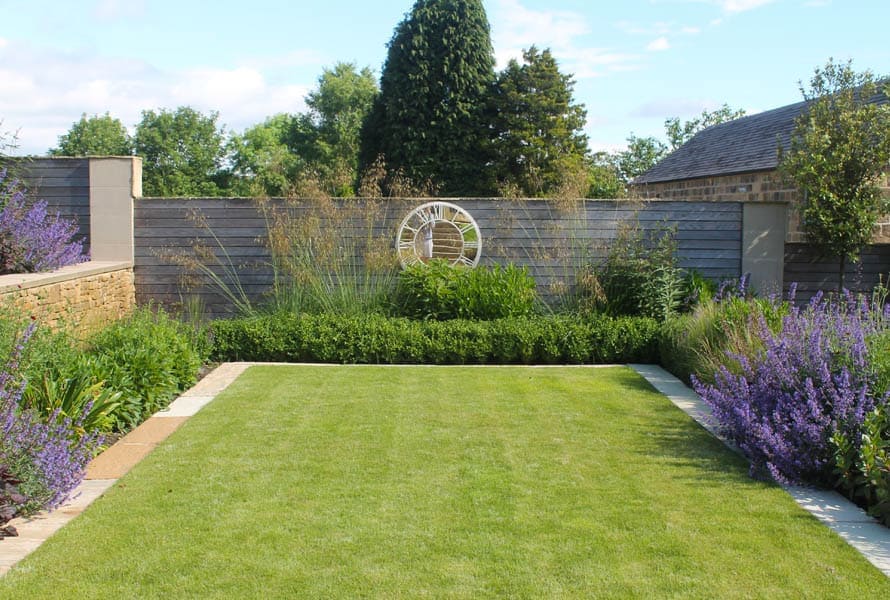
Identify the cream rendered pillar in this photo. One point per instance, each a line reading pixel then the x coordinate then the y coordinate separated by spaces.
pixel 114 183
pixel 763 246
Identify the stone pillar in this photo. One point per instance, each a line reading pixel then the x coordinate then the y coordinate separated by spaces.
pixel 114 183
pixel 763 245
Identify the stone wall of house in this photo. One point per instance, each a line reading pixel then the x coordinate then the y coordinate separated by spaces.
pixel 759 186
pixel 85 296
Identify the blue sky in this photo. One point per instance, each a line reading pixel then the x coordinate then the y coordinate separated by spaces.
pixel 636 62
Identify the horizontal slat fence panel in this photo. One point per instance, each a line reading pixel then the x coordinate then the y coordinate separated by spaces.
pixel 64 184
pixel 551 238
pixel 810 272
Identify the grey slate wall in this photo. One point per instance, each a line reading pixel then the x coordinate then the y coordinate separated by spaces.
pixel 65 185
pixel 811 273
pixel 547 237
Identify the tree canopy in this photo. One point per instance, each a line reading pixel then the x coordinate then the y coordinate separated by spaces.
pixel 679 132
pixel 839 148
pixel 262 162
pixel 428 120
pixel 538 138
pixel 328 136
pixel 640 156
pixel 95 136
pixel 182 152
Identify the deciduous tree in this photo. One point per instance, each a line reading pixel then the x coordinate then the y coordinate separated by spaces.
pixel 328 136
pixel 182 151
pixel 604 179
pixel 95 136
pixel 839 148
pixel 678 133
pixel 640 156
pixel 262 162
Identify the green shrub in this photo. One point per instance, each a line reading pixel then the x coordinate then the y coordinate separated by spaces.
pixel 149 357
pixel 378 339
pixel 438 291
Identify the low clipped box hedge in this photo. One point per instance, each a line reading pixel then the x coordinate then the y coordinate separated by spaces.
pixel 377 339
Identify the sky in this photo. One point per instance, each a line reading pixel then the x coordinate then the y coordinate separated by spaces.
pixel 635 62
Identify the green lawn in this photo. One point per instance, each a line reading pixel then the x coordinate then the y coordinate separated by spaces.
pixel 363 481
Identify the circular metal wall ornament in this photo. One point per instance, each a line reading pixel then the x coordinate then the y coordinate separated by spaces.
pixel 439 230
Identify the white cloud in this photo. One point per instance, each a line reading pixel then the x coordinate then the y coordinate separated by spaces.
pixel 658 45
pixel 46 91
pixel 737 6
pixel 523 27
pixel 294 58
pixel 516 27
pixel 3 43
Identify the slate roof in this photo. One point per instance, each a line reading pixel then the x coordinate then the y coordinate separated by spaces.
pixel 739 146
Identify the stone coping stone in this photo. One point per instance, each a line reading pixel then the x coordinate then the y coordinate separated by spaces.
pixel 24 281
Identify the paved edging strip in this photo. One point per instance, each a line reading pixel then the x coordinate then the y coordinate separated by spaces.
pixel 849 521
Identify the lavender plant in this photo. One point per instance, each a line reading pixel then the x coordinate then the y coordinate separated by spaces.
pixel 810 380
pixel 41 462
pixel 32 239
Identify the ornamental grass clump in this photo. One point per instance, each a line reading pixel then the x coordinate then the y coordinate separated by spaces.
pixel 32 239
pixel 41 461
pixel 810 380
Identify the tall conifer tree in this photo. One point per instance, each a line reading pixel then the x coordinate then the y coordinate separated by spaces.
pixel 428 119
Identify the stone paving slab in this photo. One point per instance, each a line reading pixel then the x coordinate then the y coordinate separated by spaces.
pixel 218 380
pixel 121 457
pixel 153 431
pixel 117 461
pixel 33 531
pixel 184 406
pixel 839 514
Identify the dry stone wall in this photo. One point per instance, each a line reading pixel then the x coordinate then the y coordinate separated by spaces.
pixel 82 296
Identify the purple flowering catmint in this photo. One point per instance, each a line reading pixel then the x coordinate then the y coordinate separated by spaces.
pixel 32 239
pixel 811 379
pixel 733 288
pixel 46 458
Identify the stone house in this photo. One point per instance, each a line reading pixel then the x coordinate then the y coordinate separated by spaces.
pixel 737 162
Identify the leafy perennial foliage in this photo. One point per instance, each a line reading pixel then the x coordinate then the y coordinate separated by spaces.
pixel 811 380
pixel 439 291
